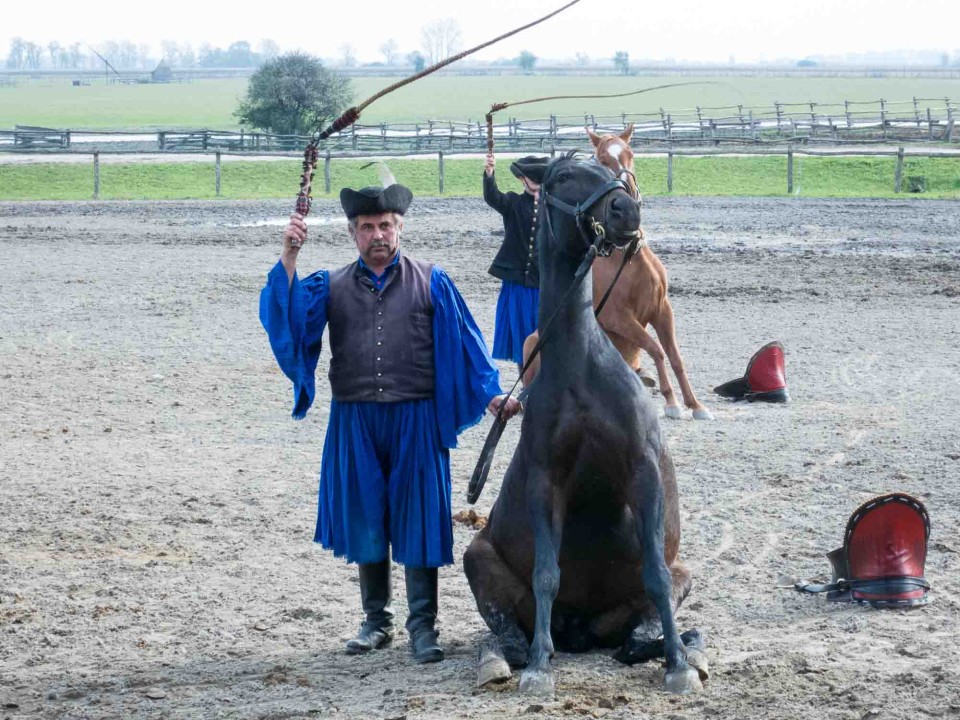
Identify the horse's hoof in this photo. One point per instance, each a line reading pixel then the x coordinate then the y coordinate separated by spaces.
pixel 682 682
pixel 702 414
pixel 646 378
pixel 673 412
pixel 697 659
pixel 492 670
pixel 538 683
pixel 492 666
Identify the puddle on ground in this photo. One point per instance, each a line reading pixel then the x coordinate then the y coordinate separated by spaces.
pixel 282 221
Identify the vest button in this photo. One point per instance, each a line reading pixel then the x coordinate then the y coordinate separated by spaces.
pixel 379 343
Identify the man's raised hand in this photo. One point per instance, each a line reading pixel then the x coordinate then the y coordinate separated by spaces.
pixel 295 233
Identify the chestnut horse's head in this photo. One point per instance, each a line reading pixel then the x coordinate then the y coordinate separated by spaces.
pixel 613 151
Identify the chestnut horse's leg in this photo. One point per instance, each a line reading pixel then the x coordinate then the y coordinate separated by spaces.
pixel 547 514
pixel 665 326
pixel 649 511
pixel 627 326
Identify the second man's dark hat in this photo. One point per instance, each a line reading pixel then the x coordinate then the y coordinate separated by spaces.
pixel 531 166
pixel 375 200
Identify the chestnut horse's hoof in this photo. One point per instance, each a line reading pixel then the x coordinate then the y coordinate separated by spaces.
pixel 673 412
pixel 682 682
pixel 702 414
pixel 538 683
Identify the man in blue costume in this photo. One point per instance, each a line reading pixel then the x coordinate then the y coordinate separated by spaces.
pixel 409 371
pixel 516 262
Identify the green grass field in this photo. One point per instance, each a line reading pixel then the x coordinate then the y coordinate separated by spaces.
pixel 758 176
pixel 210 103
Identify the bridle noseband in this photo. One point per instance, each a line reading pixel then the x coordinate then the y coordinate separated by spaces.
pixel 579 212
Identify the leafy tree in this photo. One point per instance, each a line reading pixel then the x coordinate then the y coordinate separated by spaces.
pixel 293 94
pixel 526 61
pixel 418 61
pixel 621 61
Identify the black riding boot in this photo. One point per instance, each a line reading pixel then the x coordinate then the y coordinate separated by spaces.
pixel 377 629
pixel 421 624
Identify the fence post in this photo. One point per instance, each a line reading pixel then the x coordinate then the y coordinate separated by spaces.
pixel 670 171
pixel 898 175
pixel 326 172
pixel 790 170
pixel 218 173
pixel 67 138
pixel 440 156
pixel 930 122
pixel 161 139
pixel 96 176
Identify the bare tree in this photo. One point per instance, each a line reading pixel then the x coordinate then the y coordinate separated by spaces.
pixel 76 56
pixel 15 57
pixel 53 47
pixel 440 39
pixel 621 61
pixel 348 55
pixel 32 55
pixel 389 50
pixel 268 49
pixel 188 58
pixel 170 52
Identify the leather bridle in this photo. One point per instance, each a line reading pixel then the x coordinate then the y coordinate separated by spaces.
pixel 596 236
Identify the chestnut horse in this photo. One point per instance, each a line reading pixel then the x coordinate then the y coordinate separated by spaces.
pixel 638 299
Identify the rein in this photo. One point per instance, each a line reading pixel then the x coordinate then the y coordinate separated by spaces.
pixel 599 246
pixel 312 153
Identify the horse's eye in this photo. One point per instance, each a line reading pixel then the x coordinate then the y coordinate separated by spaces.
pixel 563 177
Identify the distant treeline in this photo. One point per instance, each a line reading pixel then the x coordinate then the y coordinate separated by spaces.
pixel 126 55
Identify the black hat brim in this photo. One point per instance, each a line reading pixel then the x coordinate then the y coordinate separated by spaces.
pixel 375 200
pixel 531 167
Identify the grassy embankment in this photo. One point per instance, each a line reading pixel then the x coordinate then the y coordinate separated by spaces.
pixel 813 177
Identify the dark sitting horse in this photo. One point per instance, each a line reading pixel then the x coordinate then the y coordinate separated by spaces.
pixel 581 545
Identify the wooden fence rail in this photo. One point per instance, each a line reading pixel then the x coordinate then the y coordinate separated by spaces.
pixel 899 155
pixel 849 122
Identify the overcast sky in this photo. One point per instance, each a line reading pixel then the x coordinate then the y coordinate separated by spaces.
pixel 694 30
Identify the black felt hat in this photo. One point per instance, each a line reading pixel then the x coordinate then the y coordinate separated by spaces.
pixel 375 200
pixel 531 167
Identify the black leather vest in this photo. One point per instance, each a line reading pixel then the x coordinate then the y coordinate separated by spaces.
pixel 381 341
pixel 517 261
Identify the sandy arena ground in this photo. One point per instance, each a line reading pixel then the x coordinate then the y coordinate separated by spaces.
pixel 157 502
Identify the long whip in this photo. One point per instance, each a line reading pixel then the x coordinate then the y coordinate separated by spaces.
pixel 311 154
pixel 497 107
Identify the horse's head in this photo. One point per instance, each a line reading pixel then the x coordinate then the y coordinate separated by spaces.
pixel 592 199
pixel 613 151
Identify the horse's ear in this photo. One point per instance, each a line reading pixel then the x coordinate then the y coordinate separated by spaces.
pixel 594 138
pixel 627 133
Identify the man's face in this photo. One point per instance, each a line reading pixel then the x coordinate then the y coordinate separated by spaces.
pixel 377 237
pixel 532 187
